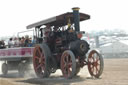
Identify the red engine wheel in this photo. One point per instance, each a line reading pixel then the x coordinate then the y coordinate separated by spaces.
pixel 40 61
pixel 95 64
pixel 68 64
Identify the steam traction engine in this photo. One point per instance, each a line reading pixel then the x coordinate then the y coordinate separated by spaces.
pixel 59 46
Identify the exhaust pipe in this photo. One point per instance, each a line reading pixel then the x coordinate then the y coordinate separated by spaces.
pixel 76 18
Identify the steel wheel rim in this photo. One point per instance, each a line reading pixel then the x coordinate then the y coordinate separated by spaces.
pixel 94 64
pixel 66 65
pixel 39 61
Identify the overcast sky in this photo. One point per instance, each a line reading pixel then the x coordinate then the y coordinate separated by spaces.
pixel 15 15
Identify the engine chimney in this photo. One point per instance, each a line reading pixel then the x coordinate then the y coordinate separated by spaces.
pixel 76 18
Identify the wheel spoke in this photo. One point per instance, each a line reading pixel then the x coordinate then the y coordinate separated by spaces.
pixel 65 70
pixel 70 64
pixel 96 70
pixel 37 53
pixel 39 66
pixel 65 65
pixel 91 63
pixel 92 70
pixel 90 60
pixel 69 71
pixel 93 57
pixel 36 57
pixel 97 58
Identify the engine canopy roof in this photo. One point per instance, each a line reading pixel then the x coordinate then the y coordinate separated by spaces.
pixel 60 20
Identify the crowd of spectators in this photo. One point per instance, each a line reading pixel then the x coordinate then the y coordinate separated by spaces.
pixel 18 42
pixel 21 42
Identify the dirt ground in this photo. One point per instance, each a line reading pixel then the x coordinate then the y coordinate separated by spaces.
pixel 115 73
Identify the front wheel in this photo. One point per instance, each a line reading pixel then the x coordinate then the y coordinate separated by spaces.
pixel 68 64
pixel 95 64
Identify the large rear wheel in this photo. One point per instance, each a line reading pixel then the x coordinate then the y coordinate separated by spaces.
pixel 68 64
pixel 95 64
pixel 41 60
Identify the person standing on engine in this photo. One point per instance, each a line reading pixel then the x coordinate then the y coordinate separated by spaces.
pixel 46 32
